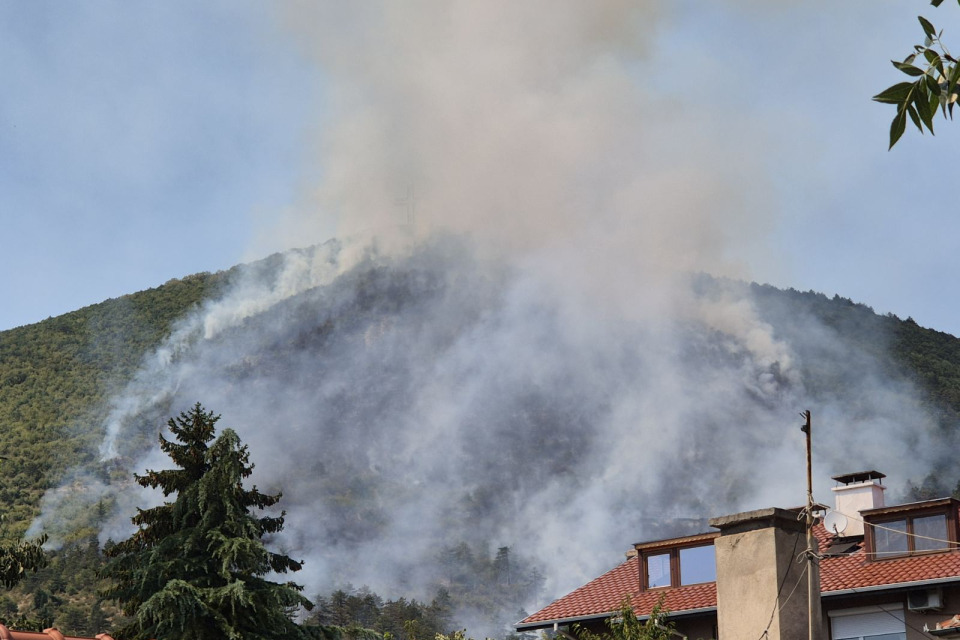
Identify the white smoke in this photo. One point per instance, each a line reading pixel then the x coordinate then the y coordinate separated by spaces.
pixel 531 362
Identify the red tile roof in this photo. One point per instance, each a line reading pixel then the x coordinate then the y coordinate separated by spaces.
pixel 47 634
pixel 843 573
pixel 952 623
pixel 599 596
pixel 604 595
pixel 837 574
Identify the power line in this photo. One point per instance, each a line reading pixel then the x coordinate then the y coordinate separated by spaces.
pixel 903 619
pixel 903 533
pixel 778 605
pixel 776 601
pixel 889 553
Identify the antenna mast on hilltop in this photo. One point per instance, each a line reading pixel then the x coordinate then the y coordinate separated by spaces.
pixel 409 201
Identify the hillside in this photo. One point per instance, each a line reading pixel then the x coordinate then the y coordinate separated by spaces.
pixel 358 367
pixel 56 375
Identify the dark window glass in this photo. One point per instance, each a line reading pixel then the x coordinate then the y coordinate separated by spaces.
pixel 930 527
pixel 891 539
pixel 658 571
pixel 698 564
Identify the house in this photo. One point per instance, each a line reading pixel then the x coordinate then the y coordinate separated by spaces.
pixel 47 634
pixel 884 573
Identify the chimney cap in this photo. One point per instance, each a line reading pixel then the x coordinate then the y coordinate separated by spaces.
pixel 859 476
pixel 757 519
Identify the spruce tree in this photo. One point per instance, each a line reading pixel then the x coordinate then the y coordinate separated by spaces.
pixel 195 567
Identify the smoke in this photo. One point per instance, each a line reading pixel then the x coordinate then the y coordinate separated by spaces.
pixel 531 359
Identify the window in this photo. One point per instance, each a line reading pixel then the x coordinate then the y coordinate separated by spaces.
pixel 679 566
pixel 930 527
pixel 892 538
pixel 868 623
pixel 910 534
pixel 698 564
pixel 658 571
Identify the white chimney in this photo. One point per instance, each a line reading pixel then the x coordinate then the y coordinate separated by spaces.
pixel 856 492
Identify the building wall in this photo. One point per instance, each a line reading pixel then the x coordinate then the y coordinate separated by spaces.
pixel 704 626
pixel 698 627
pixel 756 556
pixel 914 619
pixel 695 627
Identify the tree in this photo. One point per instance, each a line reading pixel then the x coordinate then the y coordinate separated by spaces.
pixel 624 625
pixel 935 85
pixel 17 558
pixel 501 566
pixel 195 567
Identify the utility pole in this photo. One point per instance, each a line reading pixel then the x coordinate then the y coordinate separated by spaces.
pixel 810 506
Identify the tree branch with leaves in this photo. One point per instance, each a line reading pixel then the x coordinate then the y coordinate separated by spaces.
pixel 624 625
pixel 935 86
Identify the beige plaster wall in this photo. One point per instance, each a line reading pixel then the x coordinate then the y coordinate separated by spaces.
pixel 750 568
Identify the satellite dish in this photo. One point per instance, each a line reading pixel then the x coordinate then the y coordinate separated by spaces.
pixel 835 523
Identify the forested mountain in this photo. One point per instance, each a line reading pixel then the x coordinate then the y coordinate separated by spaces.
pixel 56 375
pixel 57 379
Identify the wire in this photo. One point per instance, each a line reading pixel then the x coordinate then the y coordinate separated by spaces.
pixel 776 601
pixel 903 619
pixel 912 554
pixel 779 605
pixel 904 533
pixel 799 580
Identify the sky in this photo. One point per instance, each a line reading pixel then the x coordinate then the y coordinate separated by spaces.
pixel 140 143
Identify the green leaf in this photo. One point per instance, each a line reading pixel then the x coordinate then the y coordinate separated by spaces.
pixel 908 69
pixel 923 108
pixel 935 61
pixel 910 58
pixel 897 127
pixel 953 78
pixel 914 117
pixel 928 28
pixel 896 94
pixel 932 85
pixel 936 3
pixel 934 102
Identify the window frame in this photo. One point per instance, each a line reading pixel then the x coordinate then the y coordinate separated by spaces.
pixel 674 552
pixel 948 511
pixel 674 568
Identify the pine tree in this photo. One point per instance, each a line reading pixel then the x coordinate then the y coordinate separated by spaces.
pixel 501 566
pixel 195 567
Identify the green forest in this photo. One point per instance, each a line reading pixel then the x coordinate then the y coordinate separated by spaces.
pixel 57 375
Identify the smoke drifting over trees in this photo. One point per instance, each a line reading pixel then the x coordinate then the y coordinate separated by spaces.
pixel 533 362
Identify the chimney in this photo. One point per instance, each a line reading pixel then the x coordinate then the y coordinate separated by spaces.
pixel 756 553
pixel 856 492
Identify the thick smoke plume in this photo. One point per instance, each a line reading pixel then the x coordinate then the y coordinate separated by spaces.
pixel 531 359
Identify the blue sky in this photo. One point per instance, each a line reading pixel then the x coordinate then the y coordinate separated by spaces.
pixel 144 142
pixel 137 144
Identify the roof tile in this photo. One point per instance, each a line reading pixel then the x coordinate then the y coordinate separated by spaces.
pixel 837 573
